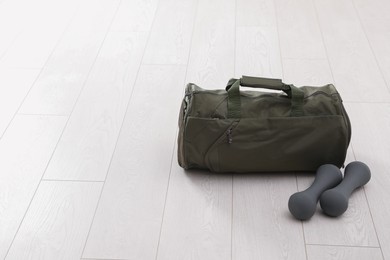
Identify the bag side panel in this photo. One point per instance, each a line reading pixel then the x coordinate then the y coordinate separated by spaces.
pixel 180 138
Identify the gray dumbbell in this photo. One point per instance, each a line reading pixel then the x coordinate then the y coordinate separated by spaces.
pixel 302 205
pixel 334 202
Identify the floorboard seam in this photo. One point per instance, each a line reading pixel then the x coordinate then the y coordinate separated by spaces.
pixel 352 246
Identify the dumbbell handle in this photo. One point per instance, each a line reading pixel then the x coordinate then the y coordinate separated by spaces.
pixel 325 179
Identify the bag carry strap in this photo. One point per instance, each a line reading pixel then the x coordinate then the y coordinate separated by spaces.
pixel 234 102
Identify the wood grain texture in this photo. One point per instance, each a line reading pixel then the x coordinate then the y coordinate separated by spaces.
pixel 197 218
pixel 14 86
pixel 128 220
pixel 68 67
pixel 378 33
pixel 354 67
pixel 135 15
pixel 19 16
pixel 255 13
pixel 8 11
pixel 170 38
pixel 94 15
pixel 57 222
pixel 372 9
pixel 211 62
pixel 25 150
pixel 86 147
pixel 30 50
pixel 300 35
pixel 371 145
pixel 262 226
pixel 66 71
pixel 342 253
pixel 257 52
pixel 307 72
pixel 36 41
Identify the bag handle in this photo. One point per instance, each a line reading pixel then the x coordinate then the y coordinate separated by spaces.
pixel 234 102
pixel 255 82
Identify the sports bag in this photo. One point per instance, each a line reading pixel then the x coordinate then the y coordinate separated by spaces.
pixel 232 130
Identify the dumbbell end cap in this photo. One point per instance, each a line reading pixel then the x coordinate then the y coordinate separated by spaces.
pixel 301 206
pixel 333 203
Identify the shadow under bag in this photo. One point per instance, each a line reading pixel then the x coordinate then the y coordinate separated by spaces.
pixel 231 130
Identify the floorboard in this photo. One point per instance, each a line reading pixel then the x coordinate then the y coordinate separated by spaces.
pixel 372 9
pixel 61 81
pixel 25 150
pixel 307 72
pixel 211 61
pixel 8 9
pixel 299 33
pixel 378 33
pixel 170 36
pixel 351 58
pixel 197 218
pixel 262 225
pixel 14 86
pixel 33 46
pixel 86 146
pixel 57 222
pixel 315 252
pixel 255 13
pixel 257 52
pixel 66 71
pixel 135 15
pixel 94 15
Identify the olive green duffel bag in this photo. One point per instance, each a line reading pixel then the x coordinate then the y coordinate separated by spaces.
pixel 230 130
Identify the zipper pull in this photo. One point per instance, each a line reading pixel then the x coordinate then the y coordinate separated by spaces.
pixel 229 136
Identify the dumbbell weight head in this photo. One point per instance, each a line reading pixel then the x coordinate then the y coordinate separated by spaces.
pixel 302 205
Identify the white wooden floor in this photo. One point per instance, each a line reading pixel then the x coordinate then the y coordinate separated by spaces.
pixel 89 98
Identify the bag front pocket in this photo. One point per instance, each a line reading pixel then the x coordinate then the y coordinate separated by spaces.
pixel 279 144
pixel 199 135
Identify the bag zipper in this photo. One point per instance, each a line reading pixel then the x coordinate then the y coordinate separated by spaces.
pixel 229 135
